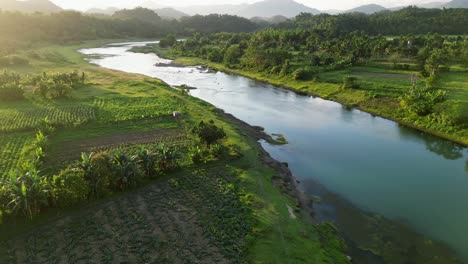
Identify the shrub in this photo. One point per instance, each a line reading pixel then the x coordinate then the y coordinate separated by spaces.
pixel 208 133
pixel 167 158
pixel 125 172
pixel 197 154
pixel 11 91
pixel 303 74
pixel 421 100
pixel 29 192
pixel 96 169
pixel 350 82
pixel 57 85
pixel 10 87
pixel 69 187
pixel 148 162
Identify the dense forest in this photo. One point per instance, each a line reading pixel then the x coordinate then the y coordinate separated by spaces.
pixel 19 29
pixel 410 20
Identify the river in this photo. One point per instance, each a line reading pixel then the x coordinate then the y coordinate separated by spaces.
pixel 366 173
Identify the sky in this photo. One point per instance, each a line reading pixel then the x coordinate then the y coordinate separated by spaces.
pixel 319 4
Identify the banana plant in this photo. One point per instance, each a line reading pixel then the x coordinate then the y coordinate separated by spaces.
pixel 147 161
pixel 125 170
pixel 29 192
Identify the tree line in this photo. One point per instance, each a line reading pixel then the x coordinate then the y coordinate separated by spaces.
pixel 18 30
pixel 410 20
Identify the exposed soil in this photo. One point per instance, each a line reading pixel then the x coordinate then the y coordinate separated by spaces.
pixel 72 149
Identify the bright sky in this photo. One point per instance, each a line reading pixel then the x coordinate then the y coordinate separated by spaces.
pixel 319 4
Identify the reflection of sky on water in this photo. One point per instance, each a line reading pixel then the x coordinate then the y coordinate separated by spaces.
pixel 372 162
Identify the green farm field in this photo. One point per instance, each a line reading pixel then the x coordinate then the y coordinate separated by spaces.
pixel 231 209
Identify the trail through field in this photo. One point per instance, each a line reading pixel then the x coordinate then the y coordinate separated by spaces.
pixel 161 223
pixel 72 149
pixel 383 75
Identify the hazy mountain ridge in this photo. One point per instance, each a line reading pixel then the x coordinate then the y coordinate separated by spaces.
pixel 367 9
pixel 266 8
pixel 457 4
pixel 30 6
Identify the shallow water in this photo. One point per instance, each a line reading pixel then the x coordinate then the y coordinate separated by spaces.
pixel 372 163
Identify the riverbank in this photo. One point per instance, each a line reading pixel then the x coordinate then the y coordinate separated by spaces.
pixel 384 107
pixel 265 187
pixel 366 230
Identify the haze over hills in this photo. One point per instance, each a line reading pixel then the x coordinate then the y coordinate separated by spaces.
pixel 165 13
pixel 456 4
pixel 270 8
pixel 367 9
pixel 262 9
pixel 30 6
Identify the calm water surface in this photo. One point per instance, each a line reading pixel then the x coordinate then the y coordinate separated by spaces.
pixel 373 163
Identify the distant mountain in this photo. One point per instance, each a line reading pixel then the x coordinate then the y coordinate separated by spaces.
pixel 31 6
pixel 266 8
pixel 270 8
pixel 107 11
pixel 212 9
pixel 456 4
pixel 367 9
pixel 269 20
pixel 170 13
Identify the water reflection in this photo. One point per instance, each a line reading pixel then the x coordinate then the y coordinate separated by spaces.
pixel 372 163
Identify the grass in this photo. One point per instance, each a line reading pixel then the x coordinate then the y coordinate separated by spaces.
pixel 229 210
pixel 379 92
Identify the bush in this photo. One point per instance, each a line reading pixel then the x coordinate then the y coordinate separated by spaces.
pixel 350 82
pixel 215 55
pixel 421 100
pixel 148 162
pixel 125 173
pixel 97 171
pixel 10 87
pixel 303 74
pixel 69 187
pixel 29 192
pixel 11 91
pixel 167 158
pixel 208 133
pixel 57 85
pixel 197 154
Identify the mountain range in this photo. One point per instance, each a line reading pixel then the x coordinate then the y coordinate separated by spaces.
pixel 30 6
pixel 262 9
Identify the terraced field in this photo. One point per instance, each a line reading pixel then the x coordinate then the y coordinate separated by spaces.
pixel 171 221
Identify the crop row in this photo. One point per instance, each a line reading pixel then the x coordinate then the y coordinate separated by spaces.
pixel 24 119
pixel 10 151
pixel 120 109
